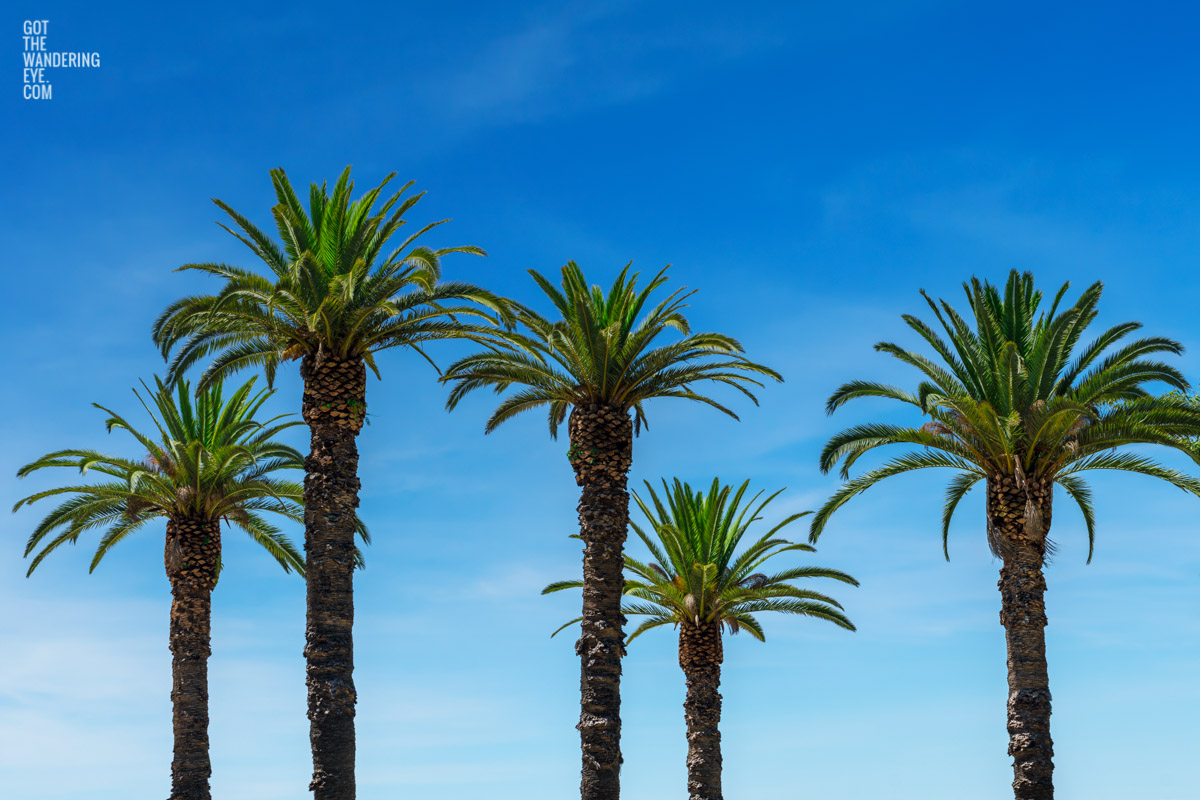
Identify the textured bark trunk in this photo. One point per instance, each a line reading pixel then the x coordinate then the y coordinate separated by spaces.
pixel 601 453
pixel 700 656
pixel 193 551
pixel 334 408
pixel 1019 519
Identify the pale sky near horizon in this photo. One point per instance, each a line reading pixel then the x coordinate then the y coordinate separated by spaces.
pixel 807 168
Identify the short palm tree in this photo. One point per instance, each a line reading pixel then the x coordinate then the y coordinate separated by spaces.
pixel 337 294
pixel 206 463
pixel 1017 403
pixel 699 583
pixel 601 359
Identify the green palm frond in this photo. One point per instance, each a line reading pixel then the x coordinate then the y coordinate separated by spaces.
pixel 959 486
pixel 909 462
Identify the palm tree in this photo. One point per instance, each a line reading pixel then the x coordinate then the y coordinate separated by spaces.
pixel 601 361
pixel 1017 403
pixel 699 583
pixel 205 464
pixel 334 298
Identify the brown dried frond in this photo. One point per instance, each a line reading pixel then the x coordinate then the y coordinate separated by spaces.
pixel 1081 424
pixel 936 428
pixel 294 352
pixel 134 506
pixel 174 554
pixel 996 543
pixel 163 467
pixel 1034 522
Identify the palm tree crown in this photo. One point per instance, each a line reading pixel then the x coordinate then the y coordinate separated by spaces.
pixel 335 289
pixel 1017 400
pixel 697 576
pixel 209 461
pixel 600 352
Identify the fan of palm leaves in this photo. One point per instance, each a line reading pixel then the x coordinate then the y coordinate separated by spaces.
pixel 337 288
pixel 209 459
pixel 604 351
pixel 697 575
pixel 1018 395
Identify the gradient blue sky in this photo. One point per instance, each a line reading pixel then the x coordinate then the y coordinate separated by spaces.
pixel 807 167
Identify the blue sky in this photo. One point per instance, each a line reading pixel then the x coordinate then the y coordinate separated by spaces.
pixel 807 167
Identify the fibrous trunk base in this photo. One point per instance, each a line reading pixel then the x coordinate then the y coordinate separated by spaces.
pixel 193 551
pixel 700 656
pixel 334 408
pixel 1019 514
pixel 601 453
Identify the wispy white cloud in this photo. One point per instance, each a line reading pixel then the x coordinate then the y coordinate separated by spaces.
pixel 577 60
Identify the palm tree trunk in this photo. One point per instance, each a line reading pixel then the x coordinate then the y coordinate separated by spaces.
pixel 334 407
pixel 1019 519
pixel 193 550
pixel 700 656
pixel 601 454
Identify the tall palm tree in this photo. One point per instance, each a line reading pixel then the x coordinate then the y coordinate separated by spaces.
pixel 1015 402
pixel 337 294
pixel 601 360
pixel 699 583
pixel 206 463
